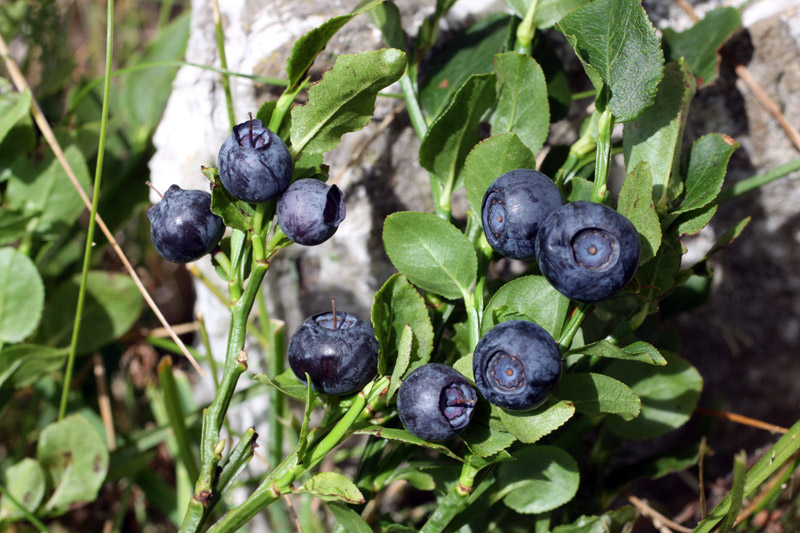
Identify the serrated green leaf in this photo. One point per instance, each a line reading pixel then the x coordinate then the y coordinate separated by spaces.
pixel 701 43
pixel 484 441
pixel 112 305
pixel 594 394
pixel 657 276
pixel 656 135
pixel 404 348
pixel 13 106
pixel 344 99
pixel 522 105
pixel 619 49
pixel 541 479
pixel 548 12
pixel 26 484
pixel 235 213
pixel 432 253
pixel 639 351
pixel 21 296
pixel 75 458
pixel 454 132
pixel 488 160
pixel 332 486
pixel 532 297
pixel 350 520
pixel 669 396
pixel 286 382
pixel 708 164
pixel 531 426
pixel 401 435
pixel 396 305
pixel 636 203
pixel 691 222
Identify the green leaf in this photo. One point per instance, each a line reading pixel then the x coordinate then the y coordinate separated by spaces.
pixel 13 106
pixel 419 480
pixel 404 347
pixel 332 486
pixel 111 307
pixel 75 458
pixel 432 253
pixel 350 520
pixel 531 426
pixel 701 43
pixel 306 49
pixel 532 297
pixel 401 435
pixel 26 484
pixel 488 160
pixel 692 222
pixel 12 225
pixel 522 105
pixel 386 16
pixel 615 520
pixel 469 53
pixel 38 185
pixel 619 49
pixel 454 132
pixel 708 164
pixel 235 213
pixel 398 305
pixel 25 364
pixel 548 12
pixel 286 382
pixel 640 352
pixel 669 395
pixel 21 296
pixel 656 135
pixel 636 203
pixel 580 189
pixel 302 440
pixel 484 441
pixel 594 394
pixel 729 236
pixel 344 99
pixel 542 478
pixel 657 277
pixel 737 491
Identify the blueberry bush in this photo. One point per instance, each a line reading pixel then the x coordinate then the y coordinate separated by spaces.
pixel 499 396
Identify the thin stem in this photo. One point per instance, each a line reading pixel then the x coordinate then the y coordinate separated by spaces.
pixel 87 254
pixel 603 160
pixel 223 62
pixel 572 327
pixel 759 180
pixel 415 113
pixel 526 30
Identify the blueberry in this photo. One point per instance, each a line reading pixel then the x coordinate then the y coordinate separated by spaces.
pixel 182 226
pixel 309 212
pixel 435 402
pixel 340 356
pixel 254 164
pixel 513 207
pixel 587 251
pixel 517 365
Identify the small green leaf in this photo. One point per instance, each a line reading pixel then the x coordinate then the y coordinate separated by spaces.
pixel 404 347
pixel 464 365
pixel 548 12
pixel 522 105
pixel 669 395
pixel 708 164
pixel 532 297
pixel 21 296
pixel 640 352
pixel 656 135
pixel 636 203
pixel 419 480
pixel 401 435
pixel 13 225
pixel 619 49
pixel 484 441
pixel 692 222
pixel 657 277
pixel 331 487
pixel 488 160
pixel 235 213
pixel 350 520
pixel 531 426
pixel 454 132
pixel 26 484
pixel 286 382
pixel 386 16
pixel 75 458
pixel 729 236
pixel 594 394
pixel 25 364
pixel 13 106
pixel 579 189
pixel 432 253
pixel 344 99
pixel 541 479
pixel 701 43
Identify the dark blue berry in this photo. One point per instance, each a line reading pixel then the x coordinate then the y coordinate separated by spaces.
pixel 310 212
pixel 339 356
pixel 182 226
pixel 435 402
pixel 588 251
pixel 254 163
pixel 517 365
pixel 513 207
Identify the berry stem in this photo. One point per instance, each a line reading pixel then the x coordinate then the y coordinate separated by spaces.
pixel 154 189
pixel 568 333
pixel 333 306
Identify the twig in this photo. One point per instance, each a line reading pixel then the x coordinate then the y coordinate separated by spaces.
pixel 104 402
pixel 741 419
pixel 180 329
pixel 47 132
pixel 661 522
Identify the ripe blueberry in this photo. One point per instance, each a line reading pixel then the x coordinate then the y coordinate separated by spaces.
pixel 435 402
pixel 254 163
pixel 517 365
pixel 182 226
pixel 588 251
pixel 340 355
pixel 309 212
pixel 513 207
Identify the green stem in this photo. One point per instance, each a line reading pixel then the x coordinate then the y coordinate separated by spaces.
pixel 759 180
pixel 526 30
pixel 603 160
pixel 418 121
pixel 30 517
pixel 473 318
pixel 87 254
pixel 572 327
pixel 453 503
pixel 223 62
pixel 176 417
